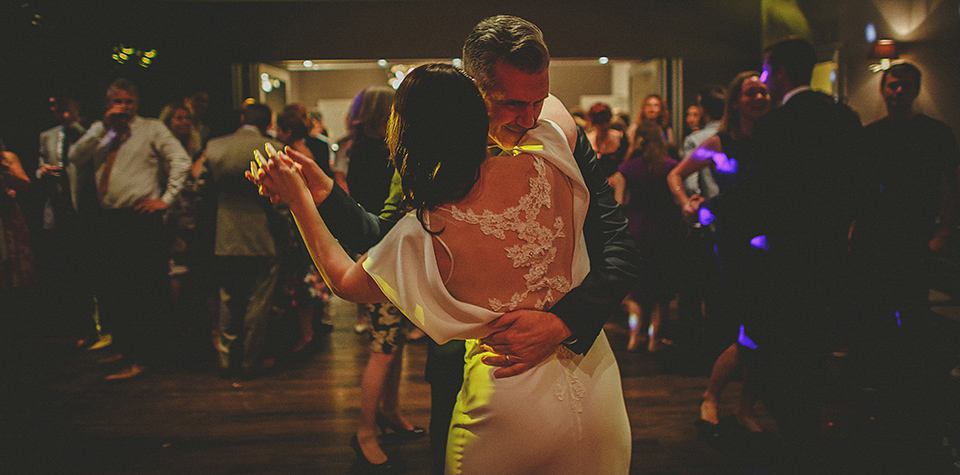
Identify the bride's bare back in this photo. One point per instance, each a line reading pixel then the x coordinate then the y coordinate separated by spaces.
pixel 510 240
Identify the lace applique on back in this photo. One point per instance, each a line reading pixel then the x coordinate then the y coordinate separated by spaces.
pixel 536 251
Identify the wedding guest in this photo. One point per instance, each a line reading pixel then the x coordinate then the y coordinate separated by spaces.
pixel 140 168
pixel 654 220
pixel 16 259
pixel 62 257
pixel 608 143
pixel 747 100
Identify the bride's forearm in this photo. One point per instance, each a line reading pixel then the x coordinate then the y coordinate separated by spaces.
pixel 345 277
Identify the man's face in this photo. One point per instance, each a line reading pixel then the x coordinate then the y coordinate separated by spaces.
pixel 200 101
pixel 123 102
pixel 514 102
pixel 899 93
pixel 65 110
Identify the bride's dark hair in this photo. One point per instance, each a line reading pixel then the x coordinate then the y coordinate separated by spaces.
pixel 437 136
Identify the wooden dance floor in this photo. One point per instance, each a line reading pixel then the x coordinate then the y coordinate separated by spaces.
pixel 60 416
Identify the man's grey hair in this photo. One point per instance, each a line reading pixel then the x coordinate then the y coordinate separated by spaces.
pixel 503 37
pixel 122 84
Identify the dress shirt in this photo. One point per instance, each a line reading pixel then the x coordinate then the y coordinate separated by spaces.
pixel 702 182
pixel 794 92
pixel 148 154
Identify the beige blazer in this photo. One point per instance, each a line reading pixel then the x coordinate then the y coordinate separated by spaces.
pixel 244 218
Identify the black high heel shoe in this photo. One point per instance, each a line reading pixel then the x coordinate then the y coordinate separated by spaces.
pixel 365 466
pixel 398 431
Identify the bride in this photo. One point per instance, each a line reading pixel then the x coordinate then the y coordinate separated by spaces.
pixel 483 236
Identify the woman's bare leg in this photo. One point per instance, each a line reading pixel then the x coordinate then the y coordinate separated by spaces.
pixel 721 374
pixel 371 390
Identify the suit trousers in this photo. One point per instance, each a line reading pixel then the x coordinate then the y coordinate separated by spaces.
pixel 444 372
pixel 247 286
pixel 132 285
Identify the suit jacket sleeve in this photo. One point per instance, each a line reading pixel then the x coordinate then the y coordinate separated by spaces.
pixel 614 258
pixel 355 227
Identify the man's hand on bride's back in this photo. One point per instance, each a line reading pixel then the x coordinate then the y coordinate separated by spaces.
pixel 522 339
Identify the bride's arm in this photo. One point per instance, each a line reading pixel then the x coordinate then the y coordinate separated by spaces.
pixel 345 277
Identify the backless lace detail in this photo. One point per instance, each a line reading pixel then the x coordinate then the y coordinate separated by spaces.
pixel 536 251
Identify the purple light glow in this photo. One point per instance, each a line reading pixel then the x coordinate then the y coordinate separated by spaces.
pixel 725 164
pixel 759 242
pixel 744 340
pixel 705 216
pixel 899 322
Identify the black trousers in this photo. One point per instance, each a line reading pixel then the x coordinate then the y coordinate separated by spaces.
pixel 132 287
pixel 444 372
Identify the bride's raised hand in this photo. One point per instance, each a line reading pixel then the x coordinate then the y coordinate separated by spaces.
pixel 319 183
pixel 280 178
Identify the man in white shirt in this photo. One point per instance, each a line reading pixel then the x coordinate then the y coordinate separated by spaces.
pixel 139 168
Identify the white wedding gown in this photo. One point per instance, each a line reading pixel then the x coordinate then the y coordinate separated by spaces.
pixel 514 242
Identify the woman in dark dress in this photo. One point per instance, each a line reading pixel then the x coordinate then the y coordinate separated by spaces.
pixel 640 187
pixel 609 143
pixel 747 100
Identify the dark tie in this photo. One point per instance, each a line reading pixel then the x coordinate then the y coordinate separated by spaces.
pixel 69 136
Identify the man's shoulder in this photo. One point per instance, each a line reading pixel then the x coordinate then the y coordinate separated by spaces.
pixel 52 130
pixel 697 137
pixel 927 121
pixel 149 122
pixel 811 103
pixel 243 134
pixel 920 122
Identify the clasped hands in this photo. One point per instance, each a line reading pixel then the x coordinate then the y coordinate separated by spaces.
pixel 282 175
pixel 691 206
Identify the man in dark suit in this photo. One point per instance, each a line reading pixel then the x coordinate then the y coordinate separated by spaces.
pixel 245 245
pixel 903 349
pixel 798 194
pixel 62 255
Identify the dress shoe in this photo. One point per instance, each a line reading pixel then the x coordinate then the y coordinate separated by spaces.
pixel 129 372
pixel 365 466
pixel 103 341
pixel 398 431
